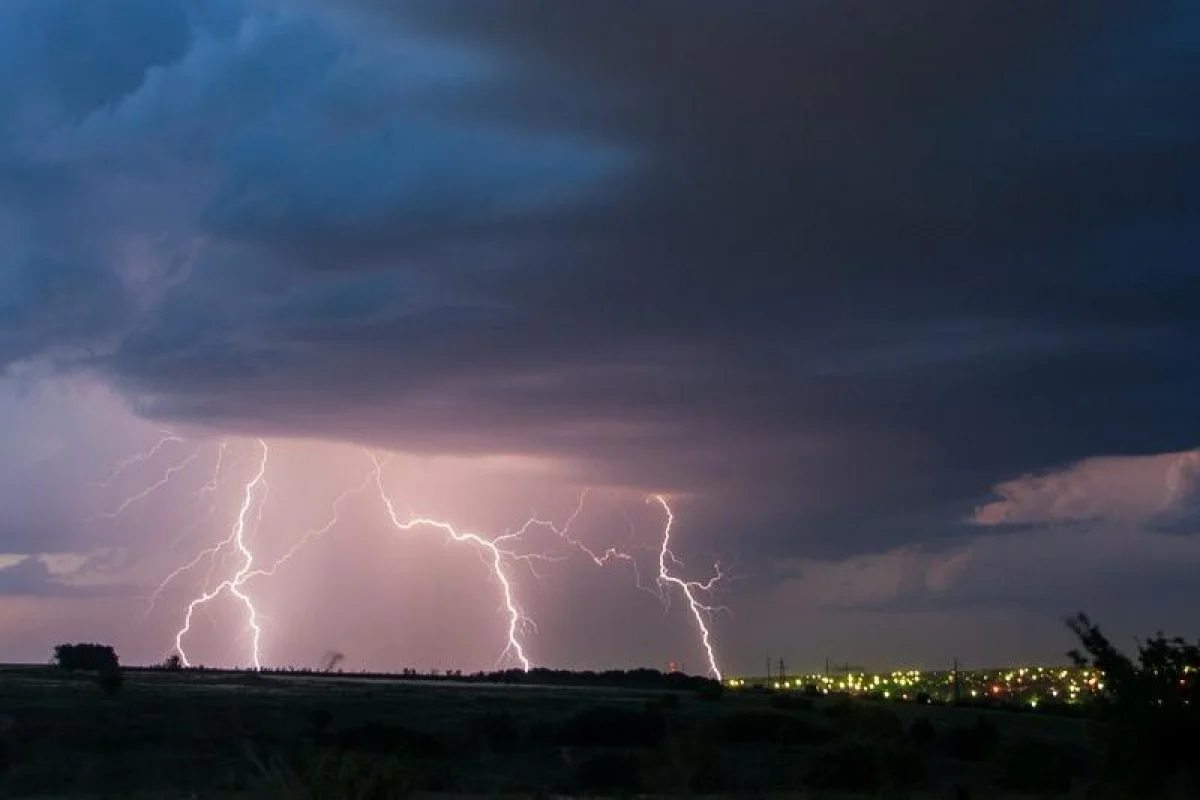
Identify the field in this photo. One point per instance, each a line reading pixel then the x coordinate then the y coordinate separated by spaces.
pixel 201 734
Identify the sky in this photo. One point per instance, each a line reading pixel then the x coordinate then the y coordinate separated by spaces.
pixel 893 303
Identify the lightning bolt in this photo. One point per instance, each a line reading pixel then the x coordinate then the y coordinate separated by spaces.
pixel 496 552
pixel 211 487
pixel 238 542
pixel 152 488
pixel 700 611
pixel 600 558
pixel 137 458
pixel 234 585
pixel 206 492
pixel 495 556
pixel 332 522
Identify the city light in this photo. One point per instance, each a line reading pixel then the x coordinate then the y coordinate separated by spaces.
pixel 1034 687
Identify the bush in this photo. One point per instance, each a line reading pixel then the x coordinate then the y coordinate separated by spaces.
pixel 1151 707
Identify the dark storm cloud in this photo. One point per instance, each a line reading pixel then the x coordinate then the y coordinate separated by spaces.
pixel 851 263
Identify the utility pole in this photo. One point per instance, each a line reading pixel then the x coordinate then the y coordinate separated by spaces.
pixel 957 689
pixel 782 671
pixel 768 671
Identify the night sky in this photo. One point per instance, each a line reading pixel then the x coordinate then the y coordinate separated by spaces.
pixel 895 301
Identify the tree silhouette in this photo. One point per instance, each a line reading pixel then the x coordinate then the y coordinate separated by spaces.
pixel 85 657
pixel 1149 708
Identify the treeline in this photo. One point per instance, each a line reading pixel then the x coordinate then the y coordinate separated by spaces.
pixel 625 679
pixel 642 678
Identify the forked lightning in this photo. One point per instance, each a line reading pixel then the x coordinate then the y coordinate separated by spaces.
pixel 499 553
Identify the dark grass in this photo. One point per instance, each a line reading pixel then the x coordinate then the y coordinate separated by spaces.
pixel 243 734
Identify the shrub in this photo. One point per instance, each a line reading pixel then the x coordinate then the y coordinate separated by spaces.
pixel 1151 704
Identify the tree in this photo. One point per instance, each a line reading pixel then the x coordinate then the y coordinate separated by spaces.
pixel 174 662
pixel 85 657
pixel 1149 707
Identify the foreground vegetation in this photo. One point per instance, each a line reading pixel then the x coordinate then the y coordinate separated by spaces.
pixel 219 734
pixel 172 732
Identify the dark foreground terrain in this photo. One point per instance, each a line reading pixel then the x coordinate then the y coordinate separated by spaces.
pixel 198 734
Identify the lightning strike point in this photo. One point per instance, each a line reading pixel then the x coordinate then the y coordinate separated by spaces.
pixel 688 588
pixel 489 548
pixel 233 585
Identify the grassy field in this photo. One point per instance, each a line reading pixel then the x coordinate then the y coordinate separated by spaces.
pixel 195 734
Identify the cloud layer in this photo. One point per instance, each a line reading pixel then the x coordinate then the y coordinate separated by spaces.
pixel 831 269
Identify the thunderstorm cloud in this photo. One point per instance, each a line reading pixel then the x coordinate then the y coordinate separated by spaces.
pixel 898 297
